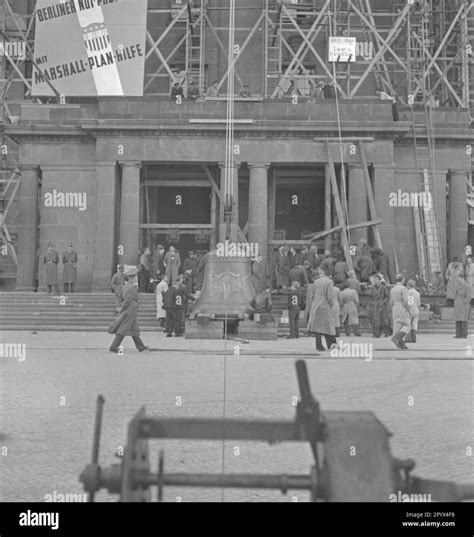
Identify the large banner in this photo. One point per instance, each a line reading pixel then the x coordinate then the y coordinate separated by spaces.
pixel 90 47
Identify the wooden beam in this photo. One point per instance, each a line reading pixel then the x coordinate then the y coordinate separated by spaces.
pixel 392 35
pixel 339 212
pixel 213 239
pixel 212 181
pixel 186 183
pixel 320 234
pixel 370 194
pixel 327 205
pixel 315 28
pixel 176 226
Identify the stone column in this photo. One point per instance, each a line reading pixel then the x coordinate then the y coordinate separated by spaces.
pixel 458 214
pixel 129 236
pixel 234 235
pixel 357 202
pixel 258 210
pixel 27 229
pixel 105 236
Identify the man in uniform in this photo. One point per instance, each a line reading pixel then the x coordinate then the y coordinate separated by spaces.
pixel 126 323
pixel 69 269
pixel 51 260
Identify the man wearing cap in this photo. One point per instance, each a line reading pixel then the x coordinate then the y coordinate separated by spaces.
pixel 414 300
pixel 126 323
pixel 51 260
pixel 69 269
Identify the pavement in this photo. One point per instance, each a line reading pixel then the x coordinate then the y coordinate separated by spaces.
pixel 423 395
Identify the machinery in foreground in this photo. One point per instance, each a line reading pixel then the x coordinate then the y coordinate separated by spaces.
pixel 352 459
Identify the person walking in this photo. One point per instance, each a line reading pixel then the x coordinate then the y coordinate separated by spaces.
pixel 453 270
pixel 126 323
pixel 400 312
pixel 470 275
pixel 117 284
pixel 376 309
pixel 69 268
pixel 51 260
pixel 462 306
pixel 172 264
pixel 336 309
pixel 160 291
pixel 349 309
pixel 295 305
pixel 321 320
pixel 414 301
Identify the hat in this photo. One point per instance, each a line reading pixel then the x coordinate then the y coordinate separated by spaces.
pixel 50 244
pixel 132 272
pixel 411 283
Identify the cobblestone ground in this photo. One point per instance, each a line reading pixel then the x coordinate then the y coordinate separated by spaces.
pixel 47 405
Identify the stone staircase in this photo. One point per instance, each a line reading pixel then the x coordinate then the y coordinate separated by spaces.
pixel 94 312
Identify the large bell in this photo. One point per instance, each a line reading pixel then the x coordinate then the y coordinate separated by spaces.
pixel 227 288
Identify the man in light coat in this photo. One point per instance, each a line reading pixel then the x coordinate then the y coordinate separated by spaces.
pixel 161 289
pixel 414 301
pixel 51 260
pixel 69 268
pixel 462 306
pixel 321 321
pixel 350 309
pixel 172 264
pixel 454 269
pixel 400 312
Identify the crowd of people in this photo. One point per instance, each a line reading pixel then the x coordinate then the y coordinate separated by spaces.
pixel 318 284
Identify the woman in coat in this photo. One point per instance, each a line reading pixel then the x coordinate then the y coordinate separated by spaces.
pixel 462 306
pixel 69 269
pixel 126 323
pixel 454 269
pixel 349 309
pixel 321 320
pixel 161 289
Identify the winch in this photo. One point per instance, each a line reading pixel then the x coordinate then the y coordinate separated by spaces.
pixel 352 458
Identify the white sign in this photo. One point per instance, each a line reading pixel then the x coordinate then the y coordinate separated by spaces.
pixel 342 49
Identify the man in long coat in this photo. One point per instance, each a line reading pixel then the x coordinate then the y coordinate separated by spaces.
pixel 172 264
pixel 462 306
pixel 69 269
pixel 117 284
pixel 126 323
pixel 400 312
pixel 376 309
pixel 190 268
pixel 321 321
pixel 51 260
pixel 158 262
pixel 454 269
pixel 414 301
pixel 349 309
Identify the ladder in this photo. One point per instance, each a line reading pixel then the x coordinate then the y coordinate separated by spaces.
pixel 419 36
pixel 195 43
pixel 273 51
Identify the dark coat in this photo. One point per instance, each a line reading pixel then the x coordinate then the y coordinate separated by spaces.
pixel 298 274
pixel 462 300
pixel 283 270
pixel 377 310
pixel 69 270
pixel 340 272
pixel 126 323
pixel 51 260
pixel 158 264
pixel 328 265
pixel 364 267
